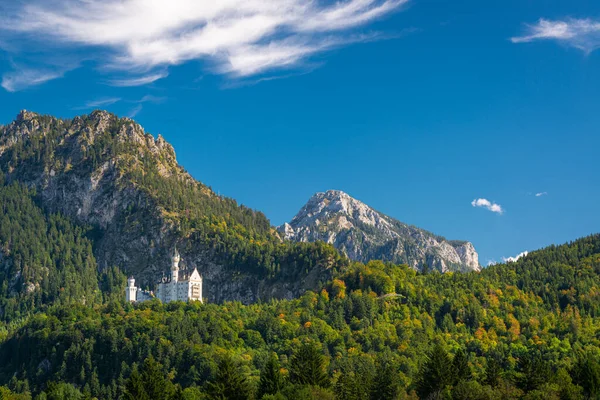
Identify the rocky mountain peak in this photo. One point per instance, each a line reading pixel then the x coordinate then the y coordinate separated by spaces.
pixel 25 115
pixel 363 233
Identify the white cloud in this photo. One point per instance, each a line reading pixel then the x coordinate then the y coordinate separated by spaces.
pixel 139 81
pixel 583 34
pixel 152 99
pixel 515 258
pixel 238 38
pixel 485 203
pixel 540 194
pixel 101 102
pixel 135 111
pixel 20 79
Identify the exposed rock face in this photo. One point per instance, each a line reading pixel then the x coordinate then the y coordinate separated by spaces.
pixel 74 174
pixel 364 234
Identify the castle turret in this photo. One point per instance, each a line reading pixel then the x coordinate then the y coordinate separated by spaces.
pixel 175 259
pixel 131 290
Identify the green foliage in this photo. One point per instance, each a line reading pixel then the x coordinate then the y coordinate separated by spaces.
pixel 436 373
pixel 151 383
pixel 61 391
pixel 43 259
pixel 307 366
pixel 527 329
pixel 230 382
pixel 385 383
pixel 586 373
pixel 271 380
pixel 460 367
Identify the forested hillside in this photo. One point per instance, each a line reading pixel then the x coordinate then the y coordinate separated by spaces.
pixel 524 330
pixel 44 259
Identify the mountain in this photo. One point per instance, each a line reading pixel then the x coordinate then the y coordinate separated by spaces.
pixel 136 203
pixel 364 234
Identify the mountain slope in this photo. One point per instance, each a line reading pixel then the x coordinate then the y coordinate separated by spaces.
pixel 106 172
pixel 364 234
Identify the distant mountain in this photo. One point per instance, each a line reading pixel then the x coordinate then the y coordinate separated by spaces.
pixel 364 234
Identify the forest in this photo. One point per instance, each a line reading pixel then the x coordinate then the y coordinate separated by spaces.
pixel 523 330
pixel 528 329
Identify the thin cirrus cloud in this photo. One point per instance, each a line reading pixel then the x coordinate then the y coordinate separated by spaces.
pixel 583 34
pixel 21 78
pixel 100 103
pixel 138 81
pixel 237 38
pixel 488 205
pixel 540 194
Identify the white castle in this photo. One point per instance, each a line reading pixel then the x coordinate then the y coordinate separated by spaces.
pixel 179 286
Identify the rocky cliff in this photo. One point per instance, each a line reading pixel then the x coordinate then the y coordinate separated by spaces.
pixel 364 234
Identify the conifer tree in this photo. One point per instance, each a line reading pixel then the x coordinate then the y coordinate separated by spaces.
pixel 435 374
pixel 229 383
pixel 534 371
pixel 586 373
pixel 460 367
pixel 385 384
pixel 271 380
pixel 134 389
pixel 307 366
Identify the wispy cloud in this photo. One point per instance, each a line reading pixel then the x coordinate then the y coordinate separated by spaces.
pixel 583 34
pixel 138 81
pixel 99 103
pixel 540 194
pixel 23 78
pixel 237 38
pixel 515 258
pixel 485 203
pixel 152 99
pixel 135 111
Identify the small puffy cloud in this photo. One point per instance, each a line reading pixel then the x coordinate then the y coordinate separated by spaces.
pixel 583 34
pixel 485 203
pixel 540 194
pixel 515 258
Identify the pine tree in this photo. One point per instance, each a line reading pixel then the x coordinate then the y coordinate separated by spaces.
pixel 493 370
pixel 271 380
pixel 586 373
pixel 348 387
pixel 229 383
pixel 156 383
pixel 134 388
pixel 535 371
pixel 436 373
pixel 460 367
pixel 385 384
pixel 307 366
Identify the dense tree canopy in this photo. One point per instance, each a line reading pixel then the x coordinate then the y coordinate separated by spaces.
pixel 375 330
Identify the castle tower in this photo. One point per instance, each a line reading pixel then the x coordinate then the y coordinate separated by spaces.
pixel 173 288
pixel 131 290
pixel 175 258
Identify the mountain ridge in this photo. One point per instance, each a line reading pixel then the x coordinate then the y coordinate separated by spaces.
pixel 362 233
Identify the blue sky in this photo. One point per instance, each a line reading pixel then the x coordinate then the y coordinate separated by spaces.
pixel 450 116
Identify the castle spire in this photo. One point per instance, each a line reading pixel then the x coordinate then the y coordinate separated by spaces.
pixel 175 259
